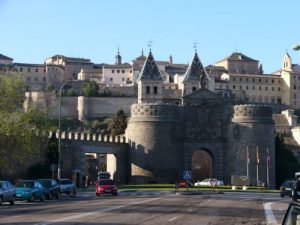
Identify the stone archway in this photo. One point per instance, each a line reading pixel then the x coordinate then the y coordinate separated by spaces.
pixel 201 165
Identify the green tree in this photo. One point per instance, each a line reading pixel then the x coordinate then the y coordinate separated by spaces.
pixel 90 89
pixel 119 123
pixel 286 163
pixel 21 139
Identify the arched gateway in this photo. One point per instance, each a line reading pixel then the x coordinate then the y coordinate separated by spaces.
pixel 201 165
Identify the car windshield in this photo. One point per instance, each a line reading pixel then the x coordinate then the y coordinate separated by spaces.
pixel 107 182
pixel 288 183
pixel 25 184
pixel 65 182
pixel 46 183
pixel 104 176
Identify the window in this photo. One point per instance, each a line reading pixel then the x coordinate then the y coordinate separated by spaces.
pixel 194 89
pixel 259 80
pixel 28 69
pixel 266 88
pixel 36 70
pixel 279 82
pixel 123 71
pixel 112 71
pixel 253 79
pixel 295 96
pixel 266 80
pixel 278 88
pixel 272 81
pixel 241 87
pixel 247 88
pixel 233 78
pixel 44 79
pixel 272 88
pixel 295 88
pixel 118 71
pixel 155 90
pixel 130 71
pixel 259 88
pixel 111 79
pixel 233 86
pixel 247 79
pixel 240 79
pixel 45 70
pixel 28 78
pixel 21 69
pixel 148 89
pixel 253 87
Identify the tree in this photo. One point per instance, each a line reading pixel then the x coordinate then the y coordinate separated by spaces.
pixel 21 139
pixel 286 163
pixel 90 89
pixel 119 123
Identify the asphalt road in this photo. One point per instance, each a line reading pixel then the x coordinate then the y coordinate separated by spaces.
pixel 150 208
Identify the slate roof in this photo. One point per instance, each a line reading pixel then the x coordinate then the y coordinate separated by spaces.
pixel 237 56
pixel 196 72
pixel 4 57
pixel 150 70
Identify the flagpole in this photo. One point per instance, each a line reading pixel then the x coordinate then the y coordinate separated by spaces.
pixel 268 159
pixel 257 162
pixel 247 163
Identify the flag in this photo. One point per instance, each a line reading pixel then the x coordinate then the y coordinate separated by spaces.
pixel 248 158
pixel 268 156
pixel 257 156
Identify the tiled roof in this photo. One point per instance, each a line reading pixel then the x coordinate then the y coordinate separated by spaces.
pixel 4 57
pixel 196 72
pixel 150 70
pixel 29 64
pixel 280 120
pixel 237 56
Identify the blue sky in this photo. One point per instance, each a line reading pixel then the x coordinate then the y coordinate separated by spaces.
pixel 33 30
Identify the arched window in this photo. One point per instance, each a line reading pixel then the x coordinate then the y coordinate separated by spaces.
pixel 155 90
pixel 148 89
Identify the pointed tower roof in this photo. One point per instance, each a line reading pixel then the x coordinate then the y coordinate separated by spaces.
pixel 150 70
pixel 196 72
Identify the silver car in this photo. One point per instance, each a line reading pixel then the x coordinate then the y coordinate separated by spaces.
pixel 7 192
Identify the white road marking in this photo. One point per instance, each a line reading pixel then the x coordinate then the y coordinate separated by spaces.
pixel 173 218
pixel 93 213
pixel 269 214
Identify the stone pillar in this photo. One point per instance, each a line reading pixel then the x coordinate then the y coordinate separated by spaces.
pixel 83 108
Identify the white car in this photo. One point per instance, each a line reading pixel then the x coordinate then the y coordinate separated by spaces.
pixel 207 182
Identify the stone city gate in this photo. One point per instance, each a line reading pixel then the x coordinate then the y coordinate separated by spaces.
pixel 76 145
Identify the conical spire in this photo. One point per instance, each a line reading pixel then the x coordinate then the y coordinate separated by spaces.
pixel 150 70
pixel 196 72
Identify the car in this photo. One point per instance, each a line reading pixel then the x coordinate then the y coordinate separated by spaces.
pixel 7 192
pixel 106 186
pixel 103 175
pixel 207 182
pixel 30 190
pixel 286 188
pixel 52 188
pixel 67 186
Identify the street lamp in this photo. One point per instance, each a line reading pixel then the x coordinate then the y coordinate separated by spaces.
pixel 59 129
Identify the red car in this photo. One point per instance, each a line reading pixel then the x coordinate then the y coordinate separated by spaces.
pixel 106 186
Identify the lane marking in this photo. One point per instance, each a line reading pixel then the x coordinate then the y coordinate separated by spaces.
pixel 173 218
pixel 94 212
pixel 269 214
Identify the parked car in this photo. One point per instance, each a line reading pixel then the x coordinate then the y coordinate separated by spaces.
pixel 286 188
pixel 52 188
pixel 207 182
pixel 30 190
pixel 7 192
pixel 106 186
pixel 67 186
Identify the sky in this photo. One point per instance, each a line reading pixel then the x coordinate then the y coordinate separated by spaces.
pixel 33 30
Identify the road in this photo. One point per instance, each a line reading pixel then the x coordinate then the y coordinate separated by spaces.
pixel 151 208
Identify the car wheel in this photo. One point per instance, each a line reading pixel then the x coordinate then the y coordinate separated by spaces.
pixel 12 202
pixel 42 198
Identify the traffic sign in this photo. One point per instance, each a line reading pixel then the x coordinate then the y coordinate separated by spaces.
pixel 213 182
pixel 187 174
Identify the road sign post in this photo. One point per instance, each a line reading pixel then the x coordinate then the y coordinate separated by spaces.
pixel 187 175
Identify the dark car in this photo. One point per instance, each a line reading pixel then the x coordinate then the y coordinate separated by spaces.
pixel 30 190
pixel 67 186
pixel 106 186
pixel 7 192
pixel 286 188
pixel 52 188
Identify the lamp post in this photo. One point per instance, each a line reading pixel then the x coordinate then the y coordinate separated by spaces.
pixel 59 129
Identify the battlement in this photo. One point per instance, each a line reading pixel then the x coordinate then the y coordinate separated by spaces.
pixel 252 113
pixel 164 110
pixel 89 137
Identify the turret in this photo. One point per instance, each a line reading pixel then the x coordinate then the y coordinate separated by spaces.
pixel 150 82
pixel 287 62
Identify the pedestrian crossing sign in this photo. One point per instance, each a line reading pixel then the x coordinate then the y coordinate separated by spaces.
pixel 187 174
